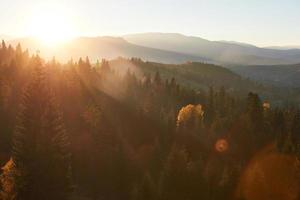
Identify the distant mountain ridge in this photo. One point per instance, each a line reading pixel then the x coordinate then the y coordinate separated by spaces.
pixel 166 48
pixel 237 43
pixel 220 51
pixel 104 47
pixel 283 47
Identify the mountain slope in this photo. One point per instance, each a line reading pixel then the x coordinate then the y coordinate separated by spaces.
pixel 192 74
pixel 104 47
pixel 283 47
pixel 222 52
pixel 279 75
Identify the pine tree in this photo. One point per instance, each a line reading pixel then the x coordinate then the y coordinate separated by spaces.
pixel 295 130
pixel 182 178
pixel 3 45
pixel 19 51
pixel 279 127
pixel 3 53
pixel 157 78
pixel 40 145
pixel 210 114
pixel 175 183
pixel 222 102
pixel 255 111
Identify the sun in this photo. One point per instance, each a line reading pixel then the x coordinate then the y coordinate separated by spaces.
pixel 51 25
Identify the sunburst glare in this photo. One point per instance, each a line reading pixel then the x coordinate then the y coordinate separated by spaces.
pixel 51 25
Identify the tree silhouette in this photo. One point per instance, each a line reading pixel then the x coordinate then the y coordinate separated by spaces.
pixel 40 145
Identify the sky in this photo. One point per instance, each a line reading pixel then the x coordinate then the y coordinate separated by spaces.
pixel 259 22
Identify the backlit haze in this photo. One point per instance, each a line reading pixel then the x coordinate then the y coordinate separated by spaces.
pixel 262 23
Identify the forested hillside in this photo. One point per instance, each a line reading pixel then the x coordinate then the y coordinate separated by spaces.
pixel 134 130
pixel 191 74
pixel 203 76
pixel 279 75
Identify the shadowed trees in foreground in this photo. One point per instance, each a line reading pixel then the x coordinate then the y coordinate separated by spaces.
pixel 135 133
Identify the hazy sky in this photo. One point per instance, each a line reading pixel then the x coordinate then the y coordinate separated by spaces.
pixel 260 22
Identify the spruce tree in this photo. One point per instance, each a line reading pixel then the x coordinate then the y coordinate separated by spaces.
pixel 255 111
pixel 40 145
pixel 210 108
pixel 157 78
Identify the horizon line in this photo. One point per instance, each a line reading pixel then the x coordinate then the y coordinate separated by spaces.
pixel 9 37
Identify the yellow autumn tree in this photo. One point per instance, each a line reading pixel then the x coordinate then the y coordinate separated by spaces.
pixel 7 181
pixel 190 117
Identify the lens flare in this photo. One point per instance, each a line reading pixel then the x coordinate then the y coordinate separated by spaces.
pixel 221 145
pixel 270 175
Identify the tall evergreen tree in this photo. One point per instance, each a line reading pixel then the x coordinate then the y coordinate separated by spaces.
pixel 255 111
pixel 157 78
pixel 210 110
pixel 295 130
pixel 40 145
